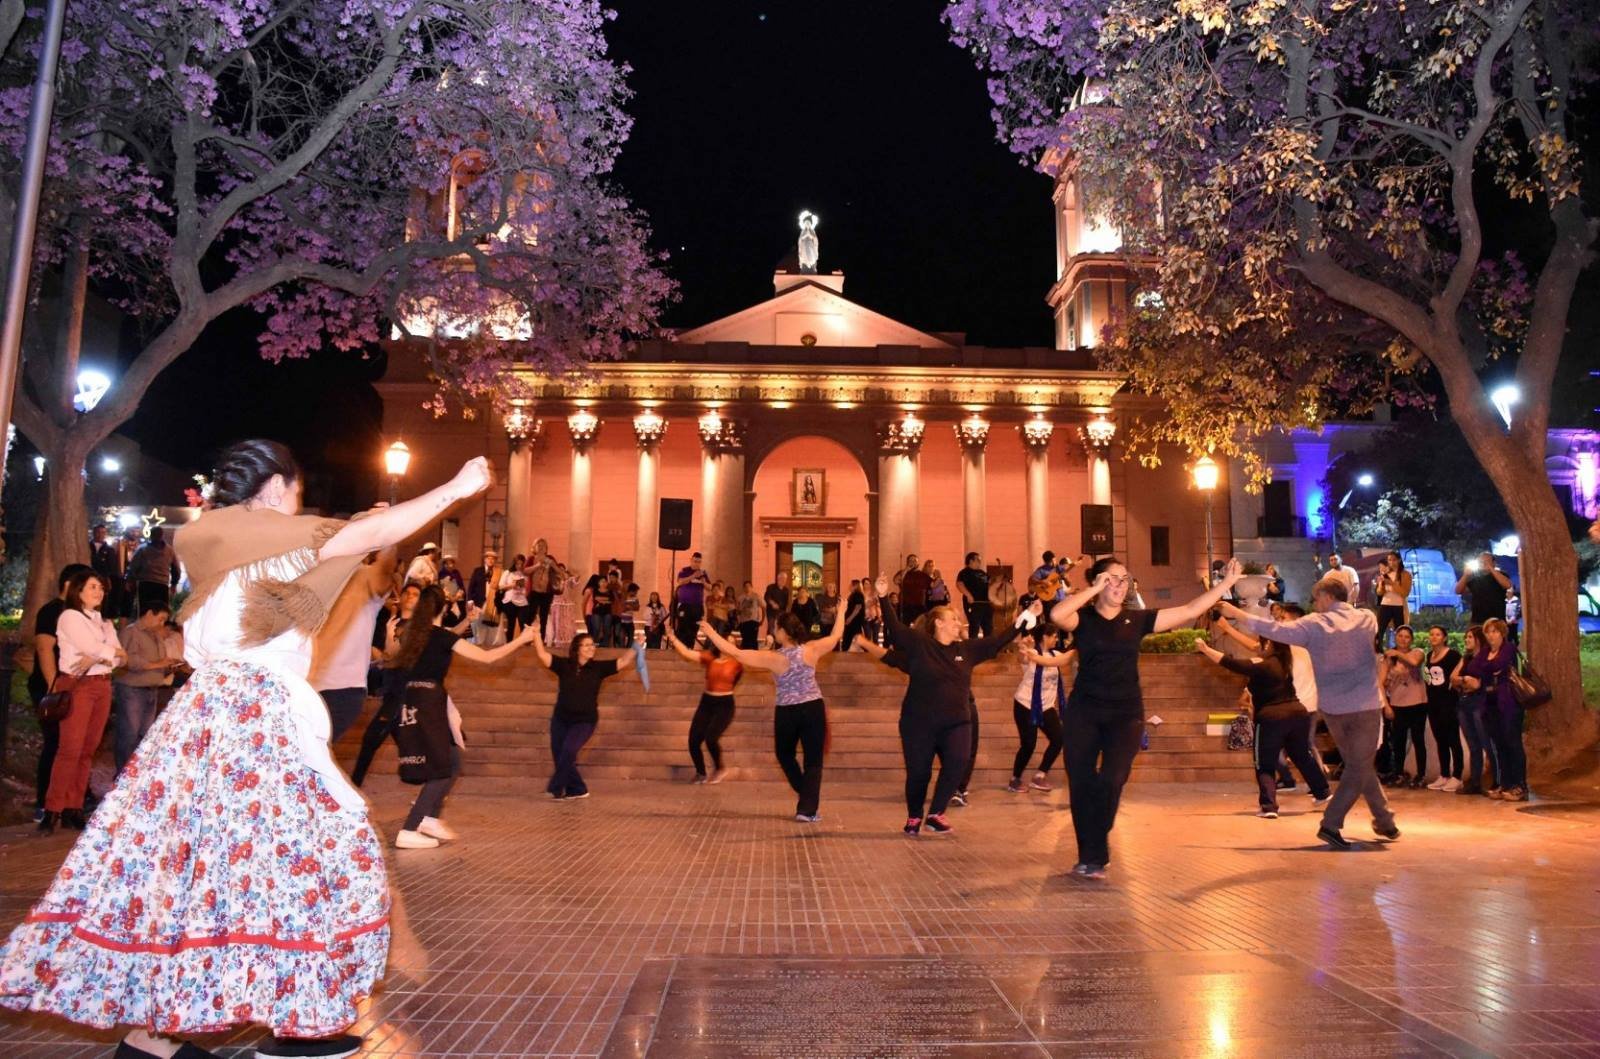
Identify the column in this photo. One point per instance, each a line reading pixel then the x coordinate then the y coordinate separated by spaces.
pixel 522 430
pixel 1097 435
pixel 648 430
pixel 1036 434
pixel 973 433
pixel 584 427
pixel 732 531
pixel 711 542
pixel 898 530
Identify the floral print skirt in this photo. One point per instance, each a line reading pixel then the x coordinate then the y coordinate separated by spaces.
pixel 219 883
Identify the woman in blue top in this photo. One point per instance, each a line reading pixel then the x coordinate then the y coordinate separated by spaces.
pixel 801 719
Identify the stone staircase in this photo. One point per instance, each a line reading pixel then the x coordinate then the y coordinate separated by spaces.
pixel 506 711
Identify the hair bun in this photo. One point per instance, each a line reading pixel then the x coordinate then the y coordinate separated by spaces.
pixel 244 467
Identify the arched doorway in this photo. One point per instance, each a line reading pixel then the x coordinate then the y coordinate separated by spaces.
pixel 810 516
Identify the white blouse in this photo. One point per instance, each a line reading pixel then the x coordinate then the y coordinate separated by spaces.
pixel 86 639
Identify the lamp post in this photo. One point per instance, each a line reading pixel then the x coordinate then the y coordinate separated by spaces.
pixel 1205 473
pixel 396 459
pixel 1364 480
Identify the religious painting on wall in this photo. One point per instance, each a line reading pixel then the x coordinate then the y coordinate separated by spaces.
pixel 808 491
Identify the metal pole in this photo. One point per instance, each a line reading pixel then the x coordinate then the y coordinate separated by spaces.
pixel 1209 557
pixel 27 220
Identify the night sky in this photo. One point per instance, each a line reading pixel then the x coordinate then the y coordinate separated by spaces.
pixel 746 113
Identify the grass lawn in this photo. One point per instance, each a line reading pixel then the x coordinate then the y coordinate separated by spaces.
pixel 1589 653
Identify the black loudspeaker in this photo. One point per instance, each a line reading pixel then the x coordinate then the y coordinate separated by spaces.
pixel 676 518
pixel 1097 530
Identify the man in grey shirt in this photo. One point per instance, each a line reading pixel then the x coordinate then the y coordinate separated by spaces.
pixel 1339 639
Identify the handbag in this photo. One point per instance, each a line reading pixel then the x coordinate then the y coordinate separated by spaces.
pixel 1529 688
pixel 55 705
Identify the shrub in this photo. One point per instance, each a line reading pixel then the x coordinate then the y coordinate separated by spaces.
pixel 1176 642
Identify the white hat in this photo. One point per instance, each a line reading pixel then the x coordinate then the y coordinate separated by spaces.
pixel 430 547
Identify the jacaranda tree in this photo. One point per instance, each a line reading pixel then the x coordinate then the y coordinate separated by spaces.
pixel 1306 183
pixel 342 167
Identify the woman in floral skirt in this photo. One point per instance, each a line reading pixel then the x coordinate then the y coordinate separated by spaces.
pixel 231 877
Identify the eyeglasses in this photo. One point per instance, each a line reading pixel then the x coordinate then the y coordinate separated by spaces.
pixel 1125 579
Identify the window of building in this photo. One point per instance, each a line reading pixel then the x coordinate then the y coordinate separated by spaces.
pixel 1160 546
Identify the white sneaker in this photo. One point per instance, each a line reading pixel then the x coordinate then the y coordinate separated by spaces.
pixel 1451 785
pixel 433 827
pixel 1439 784
pixel 414 840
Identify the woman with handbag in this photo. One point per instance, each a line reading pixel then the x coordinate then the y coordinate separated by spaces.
pixel 1490 671
pixel 232 877
pixel 89 652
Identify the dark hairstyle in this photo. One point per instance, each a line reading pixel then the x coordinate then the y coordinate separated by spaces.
pixel 74 600
pixel 156 607
pixel 419 627
pixel 790 623
pixel 1101 565
pixel 577 642
pixel 970 556
pixel 1442 629
pixel 1281 652
pixel 156 534
pixel 1475 633
pixel 245 466
pixel 1399 559
pixel 70 571
pixel 1294 610
pixel 1048 558
pixel 1398 629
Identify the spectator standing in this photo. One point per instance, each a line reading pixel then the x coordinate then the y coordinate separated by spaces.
pixel 1275 588
pixel 46 665
pixel 914 586
pixel 544 581
pixel 719 609
pixel 591 610
pixel 1485 585
pixel 1405 703
pixel 1352 580
pixel 689 598
pixel 805 608
pixel 137 684
pixel 89 652
pixel 972 583
pixel 119 590
pixel 514 596
pixel 1473 710
pixel 1392 587
pixel 855 612
pixel 749 611
pixel 424 569
pixel 655 622
pixel 776 598
pixel 1490 670
pixel 827 606
pixel 1442 675
pixel 152 573
pixel 103 560
pixel 449 571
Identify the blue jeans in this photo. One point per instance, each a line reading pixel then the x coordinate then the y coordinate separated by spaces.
pixel 1473 712
pixel 1507 732
pixel 566 739
pixel 136 712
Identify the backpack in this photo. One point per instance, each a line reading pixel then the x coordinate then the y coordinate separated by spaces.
pixel 1241 735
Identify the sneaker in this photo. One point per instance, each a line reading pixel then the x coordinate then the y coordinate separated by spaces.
pixel 1016 787
pixel 414 840
pixel 38 814
pixel 959 799
pixel 1268 814
pixel 1417 784
pixel 699 777
pixel 1094 871
pixel 718 776
pixel 1331 836
pixel 318 1048
pixel 1319 800
pixel 1451 785
pixel 575 797
pixel 556 796
pixel 938 825
pixel 1439 784
pixel 913 826
pixel 1391 833
pixel 1287 785
pixel 433 827
pixel 1040 783
pixel 802 818
pixel 1080 868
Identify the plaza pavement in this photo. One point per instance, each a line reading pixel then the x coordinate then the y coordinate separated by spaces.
pixel 669 920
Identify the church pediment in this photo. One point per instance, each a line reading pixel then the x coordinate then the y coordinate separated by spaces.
pixel 809 314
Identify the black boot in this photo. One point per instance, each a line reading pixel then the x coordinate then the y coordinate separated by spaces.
pixel 47 823
pixel 74 819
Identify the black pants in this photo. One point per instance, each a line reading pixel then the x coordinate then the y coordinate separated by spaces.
pixel 1291 736
pixel 922 741
pixel 516 615
pixel 1028 737
pixel 750 634
pixel 1410 723
pixel 381 727
pixel 344 706
pixel 567 739
pixel 51 731
pixel 980 619
pixel 972 758
pixel 1446 724
pixel 711 719
pixel 805 725
pixel 430 800
pixel 689 615
pixel 539 611
pixel 1099 750
pixel 1388 618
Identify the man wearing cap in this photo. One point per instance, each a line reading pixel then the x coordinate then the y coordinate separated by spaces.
pixel 424 568
pixel 689 603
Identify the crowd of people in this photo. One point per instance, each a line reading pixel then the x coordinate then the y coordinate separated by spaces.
pixel 292 621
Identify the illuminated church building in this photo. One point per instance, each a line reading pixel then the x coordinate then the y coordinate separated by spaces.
pixel 818 437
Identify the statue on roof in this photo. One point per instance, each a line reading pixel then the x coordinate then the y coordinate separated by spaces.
pixel 808 241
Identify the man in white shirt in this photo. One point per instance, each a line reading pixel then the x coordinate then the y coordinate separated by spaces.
pixel 343 651
pixel 424 569
pixel 1352 580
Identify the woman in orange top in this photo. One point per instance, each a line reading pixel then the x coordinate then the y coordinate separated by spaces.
pixel 715 712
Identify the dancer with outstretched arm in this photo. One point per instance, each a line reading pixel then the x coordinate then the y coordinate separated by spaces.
pixel 934 715
pixel 801 718
pixel 715 712
pixel 1105 713
pixel 577 709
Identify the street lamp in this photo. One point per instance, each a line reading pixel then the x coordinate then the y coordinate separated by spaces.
pixel 1364 480
pixel 1205 473
pixel 1503 397
pixel 92 386
pixel 396 459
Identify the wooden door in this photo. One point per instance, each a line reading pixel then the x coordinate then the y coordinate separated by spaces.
pixel 784 565
pixel 830 567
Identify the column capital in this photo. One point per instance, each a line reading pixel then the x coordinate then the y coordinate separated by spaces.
pixel 584 426
pixel 900 436
pixel 1097 435
pixel 1036 434
pixel 648 429
pixel 521 425
pixel 719 434
pixel 973 433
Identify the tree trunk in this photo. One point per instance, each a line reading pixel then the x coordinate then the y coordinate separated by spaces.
pixel 61 534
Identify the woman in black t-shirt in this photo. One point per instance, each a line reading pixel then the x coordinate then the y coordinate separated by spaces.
pixel 577 710
pixel 1104 718
pixel 429 729
pixel 1441 675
